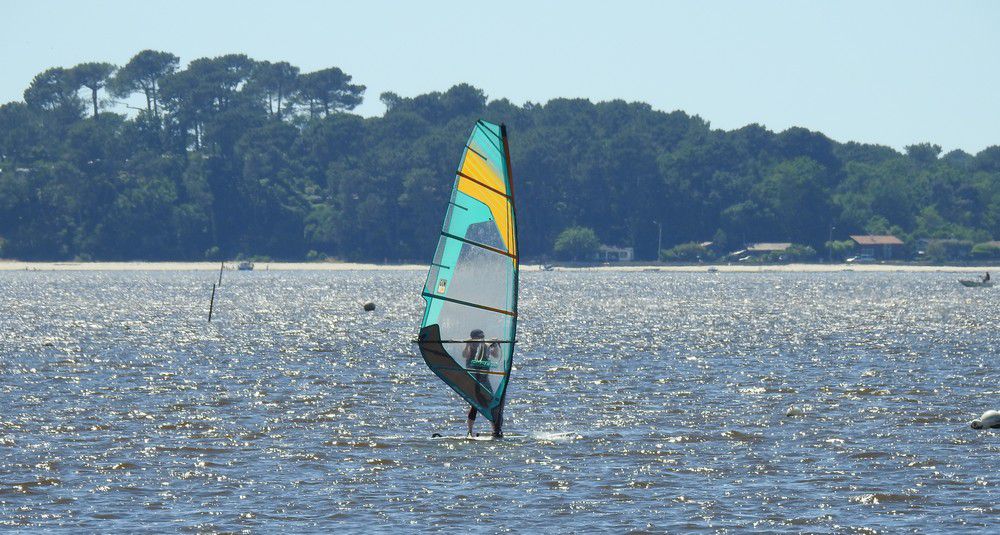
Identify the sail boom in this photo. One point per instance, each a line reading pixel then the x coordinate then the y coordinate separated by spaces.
pixel 466 341
pixel 470 370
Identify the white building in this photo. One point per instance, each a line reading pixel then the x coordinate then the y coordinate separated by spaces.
pixel 607 253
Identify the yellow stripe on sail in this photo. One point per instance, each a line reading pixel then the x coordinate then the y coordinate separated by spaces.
pixel 474 166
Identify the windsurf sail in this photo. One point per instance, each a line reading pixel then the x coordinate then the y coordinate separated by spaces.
pixel 467 333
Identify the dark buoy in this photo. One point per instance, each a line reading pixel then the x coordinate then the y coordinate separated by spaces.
pixel 369 306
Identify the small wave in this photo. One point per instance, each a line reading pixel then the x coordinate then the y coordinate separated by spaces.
pixel 556 437
pixel 866 391
pixel 877 498
pixel 382 462
pixel 360 444
pixel 194 449
pixel 743 437
pixel 185 424
pixel 27 487
pixel 869 455
pixel 123 466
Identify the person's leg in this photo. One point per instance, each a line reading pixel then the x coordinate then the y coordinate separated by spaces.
pixel 471 418
pixel 498 425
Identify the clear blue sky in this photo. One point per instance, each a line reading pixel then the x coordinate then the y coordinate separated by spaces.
pixel 884 72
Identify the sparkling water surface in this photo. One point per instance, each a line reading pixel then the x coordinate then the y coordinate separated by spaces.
pixel 648 402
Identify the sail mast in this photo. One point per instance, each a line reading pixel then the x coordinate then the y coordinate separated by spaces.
pixel 517 259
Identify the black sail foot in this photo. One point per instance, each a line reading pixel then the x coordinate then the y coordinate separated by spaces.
pixel 460 380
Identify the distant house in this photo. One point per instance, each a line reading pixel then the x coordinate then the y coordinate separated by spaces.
pixel 758 249
pixel 607 253
pixel 878 246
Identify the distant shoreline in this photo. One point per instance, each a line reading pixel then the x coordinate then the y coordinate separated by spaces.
pixel 15 265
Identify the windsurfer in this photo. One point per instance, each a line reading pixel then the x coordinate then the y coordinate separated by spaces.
pixel 986 278
pixel 477 357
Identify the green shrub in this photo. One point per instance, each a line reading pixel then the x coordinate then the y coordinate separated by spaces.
pixel 948 249
pixel 795 253
pixel 577 243
pixel 799 253
pixel 213 253
pixel 686 252
pixel 840 249
pixel 986 250
pixel 315 256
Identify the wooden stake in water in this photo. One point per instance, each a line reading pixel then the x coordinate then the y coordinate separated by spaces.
pixel 211 304
pixel 222 266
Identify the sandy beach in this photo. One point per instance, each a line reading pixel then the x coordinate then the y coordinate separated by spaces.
pixel 15 265
pixel 9 265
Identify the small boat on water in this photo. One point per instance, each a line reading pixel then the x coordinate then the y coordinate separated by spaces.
pixel 976 283
pixel 245 266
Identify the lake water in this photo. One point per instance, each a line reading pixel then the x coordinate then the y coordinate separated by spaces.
pixel 649 402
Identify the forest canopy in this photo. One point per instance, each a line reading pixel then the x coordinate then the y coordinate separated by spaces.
pixel 233 157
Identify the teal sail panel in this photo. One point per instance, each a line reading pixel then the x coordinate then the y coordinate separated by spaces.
pixel 467 333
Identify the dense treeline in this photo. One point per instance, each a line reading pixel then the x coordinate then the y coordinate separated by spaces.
pixel 231 156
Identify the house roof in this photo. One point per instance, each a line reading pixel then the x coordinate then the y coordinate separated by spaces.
pixel 877 239
pixel 768 247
